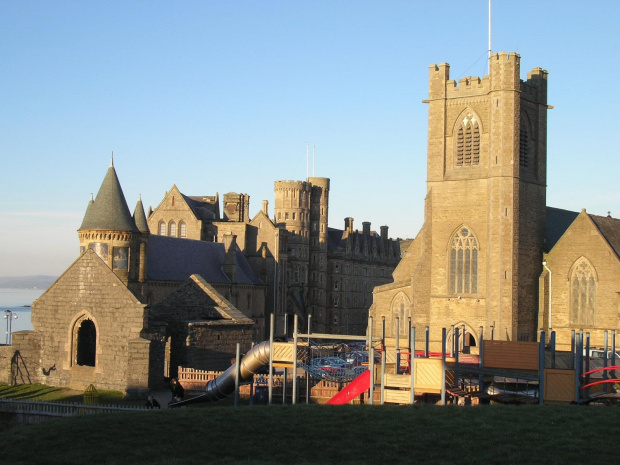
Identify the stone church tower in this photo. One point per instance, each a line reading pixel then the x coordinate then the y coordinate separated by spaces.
pixel 477 259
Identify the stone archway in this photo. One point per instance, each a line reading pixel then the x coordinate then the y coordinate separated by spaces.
pixel 85 343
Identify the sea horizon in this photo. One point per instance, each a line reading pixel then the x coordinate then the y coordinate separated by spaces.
pixel 18 302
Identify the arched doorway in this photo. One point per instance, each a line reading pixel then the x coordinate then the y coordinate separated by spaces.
pixel 86 344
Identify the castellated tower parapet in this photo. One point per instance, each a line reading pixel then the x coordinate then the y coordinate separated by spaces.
pixel 292 206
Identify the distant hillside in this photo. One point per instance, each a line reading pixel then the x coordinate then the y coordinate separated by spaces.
pixel 27 282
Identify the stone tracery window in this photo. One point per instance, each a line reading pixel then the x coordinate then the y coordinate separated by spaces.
pixel 401 308
pixel 583 293
pixel 468 142
pixel 463 263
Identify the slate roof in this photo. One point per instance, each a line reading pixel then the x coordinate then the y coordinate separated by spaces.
pixel 175 259
pixel 109 211
pixel 201 209
pixel 558 221
pixel 610 229
pixel 140 218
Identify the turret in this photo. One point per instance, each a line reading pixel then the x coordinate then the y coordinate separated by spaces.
pixel 109 229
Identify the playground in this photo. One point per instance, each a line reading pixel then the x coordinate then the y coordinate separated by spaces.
pixel 340 369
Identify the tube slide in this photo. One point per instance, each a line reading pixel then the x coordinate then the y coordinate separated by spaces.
pixel 224 385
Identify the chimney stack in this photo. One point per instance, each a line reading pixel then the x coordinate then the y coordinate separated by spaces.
pixel 266 207
pixel 366 228
pixel 348 225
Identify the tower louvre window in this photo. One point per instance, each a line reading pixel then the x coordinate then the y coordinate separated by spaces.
pixel 463 263
pixel 524 142
pixel 468 142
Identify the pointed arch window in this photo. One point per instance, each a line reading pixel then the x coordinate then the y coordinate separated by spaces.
pixel 172 229
pixel 463 263
pixel 85 340
pixel 468 142
pixel 162 228
pixel 183 229
pixel 583 294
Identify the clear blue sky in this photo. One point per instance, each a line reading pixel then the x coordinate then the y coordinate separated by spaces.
pixel 222 96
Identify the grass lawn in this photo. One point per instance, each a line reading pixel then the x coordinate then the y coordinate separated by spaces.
pixel 315 434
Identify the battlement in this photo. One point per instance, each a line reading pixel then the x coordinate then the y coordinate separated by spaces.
pixel 504 70
pixel 299 185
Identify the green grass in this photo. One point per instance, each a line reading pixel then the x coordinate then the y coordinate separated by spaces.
pixel 315 434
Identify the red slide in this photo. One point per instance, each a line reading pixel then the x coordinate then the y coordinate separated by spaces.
pixel 352 390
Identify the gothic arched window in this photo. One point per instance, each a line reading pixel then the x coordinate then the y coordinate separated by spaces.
pixel 463 262
pixel 172 229
pixel 583 294
pixel 468 142
pixel 183 229
pixel 86 343
pixel 162 228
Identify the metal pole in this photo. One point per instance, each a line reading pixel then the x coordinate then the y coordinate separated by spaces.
pixel 605 363
pixel 578 363
pixel 307 375
pixel 572 349
pixel 456 339
pixel 270 386
pixel 383 357
pixel 294 399
pixel 549 271
pixel 237 373
pixel 411 363
pixel 426 341
pixel 411 351
pixel 397 371
pixel 552 346
pixel 480 357
pixel 452 345
pixel 371 363
pixel 443 366
pixel 541 368
pixel 613 351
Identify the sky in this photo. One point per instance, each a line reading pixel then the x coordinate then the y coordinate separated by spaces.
pixel 230 96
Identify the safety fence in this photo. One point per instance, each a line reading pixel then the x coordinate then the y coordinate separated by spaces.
pixel 22 412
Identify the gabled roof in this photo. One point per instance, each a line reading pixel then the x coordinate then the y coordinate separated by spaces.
pixel 92 269
pixel 200 304
pixel 109 211
pixel 610 230
pixel 175 259
pixel 557 222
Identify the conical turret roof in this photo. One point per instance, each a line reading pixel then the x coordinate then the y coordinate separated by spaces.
pixel 140 218
pixel 109 211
